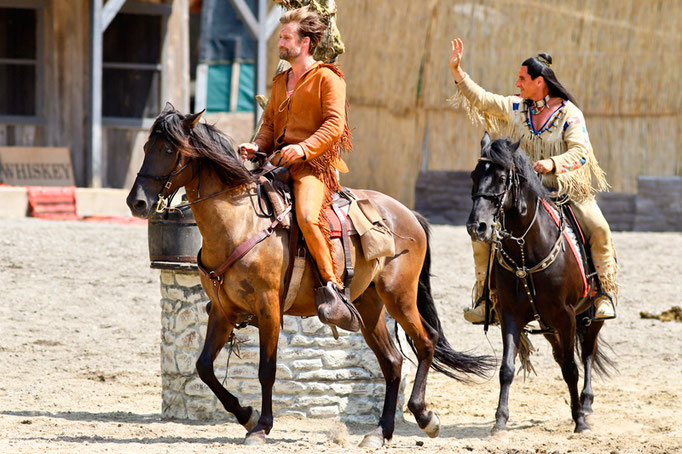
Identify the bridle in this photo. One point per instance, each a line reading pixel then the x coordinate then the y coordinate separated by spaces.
pixel 165 197
pixel 498 197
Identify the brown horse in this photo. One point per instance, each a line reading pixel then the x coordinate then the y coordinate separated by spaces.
pixel 534 275
pixel 183 152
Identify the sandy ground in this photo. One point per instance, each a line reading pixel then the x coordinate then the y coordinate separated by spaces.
pixel 79 358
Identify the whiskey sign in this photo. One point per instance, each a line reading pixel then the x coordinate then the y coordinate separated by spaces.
pixel 35 166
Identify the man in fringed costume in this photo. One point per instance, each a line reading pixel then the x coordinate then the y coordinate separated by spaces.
pixel 544 116
pixel 305 120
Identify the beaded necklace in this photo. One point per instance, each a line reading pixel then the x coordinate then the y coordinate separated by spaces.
pixel 548 124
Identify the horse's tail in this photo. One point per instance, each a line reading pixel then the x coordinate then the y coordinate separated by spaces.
pixel 601 363
pixel 445 358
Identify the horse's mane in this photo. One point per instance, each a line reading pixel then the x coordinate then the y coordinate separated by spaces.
pixel 203 141
pixel 502 153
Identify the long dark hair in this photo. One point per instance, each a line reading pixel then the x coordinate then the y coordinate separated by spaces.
pixel 540 66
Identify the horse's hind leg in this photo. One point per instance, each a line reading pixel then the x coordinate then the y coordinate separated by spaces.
pixel 390 360
pixel 563 344
pixel 401 304
pixel 217 334
pixel 511 331
pixel 588 348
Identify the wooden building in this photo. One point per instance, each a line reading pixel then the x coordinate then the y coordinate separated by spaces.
pixel 91 75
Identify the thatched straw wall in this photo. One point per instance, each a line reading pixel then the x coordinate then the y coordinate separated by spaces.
pixel 620 58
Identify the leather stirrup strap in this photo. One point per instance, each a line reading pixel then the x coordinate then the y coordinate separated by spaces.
pixel 293 251
pixel 345 241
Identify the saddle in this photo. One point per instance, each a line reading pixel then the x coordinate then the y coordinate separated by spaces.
pixel 275 197
pixel 582 252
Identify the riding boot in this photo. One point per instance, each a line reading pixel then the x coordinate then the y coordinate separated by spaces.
pixel 476 313
pixel 333 308
pixel 606 300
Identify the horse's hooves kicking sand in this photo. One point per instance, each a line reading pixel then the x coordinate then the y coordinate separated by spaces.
pixel 432 429
pixel 373 440
pixel 255 438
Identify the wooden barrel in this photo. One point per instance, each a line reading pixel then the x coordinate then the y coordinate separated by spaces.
pixel 174 240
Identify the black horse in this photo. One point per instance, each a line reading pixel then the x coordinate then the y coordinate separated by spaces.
pixel 534 274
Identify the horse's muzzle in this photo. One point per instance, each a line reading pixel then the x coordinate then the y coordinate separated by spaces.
pixel 138 204
pixel 479 231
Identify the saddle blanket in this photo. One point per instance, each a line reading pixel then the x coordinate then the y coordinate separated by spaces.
pixel 572 240
pixel 335 223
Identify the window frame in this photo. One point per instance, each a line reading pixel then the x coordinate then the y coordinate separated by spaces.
pixel 151 9
pixel 40 7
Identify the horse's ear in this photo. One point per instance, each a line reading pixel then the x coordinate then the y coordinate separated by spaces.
pixel 168 107
pixel 515 146
pixel 485 141
pixel 191 120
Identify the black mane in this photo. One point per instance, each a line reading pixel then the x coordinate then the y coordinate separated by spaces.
pixel 502 153
pixel 203 141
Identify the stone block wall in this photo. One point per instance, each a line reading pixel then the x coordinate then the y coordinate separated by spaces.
pixel 444 197
pixel 317 375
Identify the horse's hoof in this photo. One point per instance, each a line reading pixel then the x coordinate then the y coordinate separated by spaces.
pixel 253 420
pixel 372 441
pixel 583 430
pixel 499 432
pixel 432 429
pixel 255 439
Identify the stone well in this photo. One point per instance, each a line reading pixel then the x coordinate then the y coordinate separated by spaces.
pixel 317 376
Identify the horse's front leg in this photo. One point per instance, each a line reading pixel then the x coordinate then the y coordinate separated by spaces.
pixel 217 333
pixel 511 330
pixel 268 332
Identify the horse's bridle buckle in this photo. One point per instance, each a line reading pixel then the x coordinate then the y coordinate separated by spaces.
pixel 161 204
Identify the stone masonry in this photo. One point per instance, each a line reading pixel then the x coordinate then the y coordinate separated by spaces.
pixel 317 376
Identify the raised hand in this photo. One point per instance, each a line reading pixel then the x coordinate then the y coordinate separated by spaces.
pixel 456 53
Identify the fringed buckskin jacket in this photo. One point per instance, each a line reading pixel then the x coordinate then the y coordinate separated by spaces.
pixel 563 139
pixel 314 116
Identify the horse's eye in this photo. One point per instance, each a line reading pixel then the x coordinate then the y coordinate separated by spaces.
pixel 168 150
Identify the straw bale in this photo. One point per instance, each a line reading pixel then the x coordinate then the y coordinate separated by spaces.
pixel 629 147
pixel 387 151
pixel 453 142
pixel 384 50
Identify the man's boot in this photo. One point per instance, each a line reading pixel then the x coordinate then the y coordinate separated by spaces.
pixel 605 302
pixel 333 308
pixel 476 313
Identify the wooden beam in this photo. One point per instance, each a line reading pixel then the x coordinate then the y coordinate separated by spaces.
pixel 109 11
pixel 95 175
pixel 247 16
pixel 273 20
